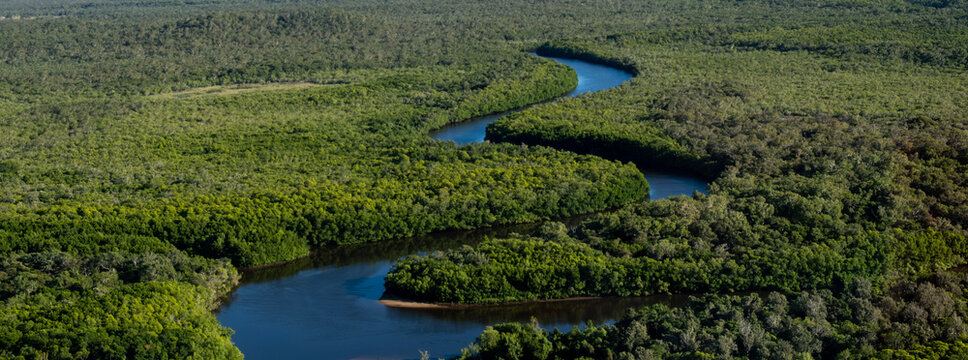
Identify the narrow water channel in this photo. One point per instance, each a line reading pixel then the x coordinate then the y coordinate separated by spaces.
pixel 325 306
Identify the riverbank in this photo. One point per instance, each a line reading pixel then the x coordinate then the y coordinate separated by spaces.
pixel 408 304
pixel 344 287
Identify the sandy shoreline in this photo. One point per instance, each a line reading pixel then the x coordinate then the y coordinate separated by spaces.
pixel 407 304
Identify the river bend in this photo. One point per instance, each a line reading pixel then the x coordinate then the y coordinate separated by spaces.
pixel 326 306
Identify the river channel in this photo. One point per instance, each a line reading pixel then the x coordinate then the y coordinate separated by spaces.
pixel 326 306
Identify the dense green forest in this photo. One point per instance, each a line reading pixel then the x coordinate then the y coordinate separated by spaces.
pixel 113 306
pixel 151 147
pixel 920 319
pixel 290 168
pixel 322 153
pixel 818 182
pixel 154 139
pixel 838 154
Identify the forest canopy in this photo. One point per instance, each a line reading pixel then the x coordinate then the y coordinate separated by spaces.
pixel 837 152
pixel 156 139
pixel 151 148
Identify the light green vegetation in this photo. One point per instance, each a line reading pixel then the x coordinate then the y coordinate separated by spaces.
pixel 834 130
pixel 838 153
pixel 260 176
pixel 814 154
pixel 105 152
pixel 113 306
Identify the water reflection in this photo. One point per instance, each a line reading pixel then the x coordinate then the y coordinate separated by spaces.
pixel 663 184
pixel 393 249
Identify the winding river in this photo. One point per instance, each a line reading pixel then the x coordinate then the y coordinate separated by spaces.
pixel 326 306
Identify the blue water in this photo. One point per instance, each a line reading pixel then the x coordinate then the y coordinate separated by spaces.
pixel 591 77
pixel 665 184
pixel 325 306
pixel 318 309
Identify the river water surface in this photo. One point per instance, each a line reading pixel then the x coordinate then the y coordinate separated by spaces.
pixel 326 306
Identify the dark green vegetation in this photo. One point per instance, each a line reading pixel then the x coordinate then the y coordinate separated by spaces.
pixel 241 135
pixel 260 176
pixel 909 320
pixel 835 131
pixel 839 154
pixel 831 166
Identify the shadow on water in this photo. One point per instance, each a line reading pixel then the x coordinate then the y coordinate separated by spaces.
pixel 391 250
pixel 325 306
